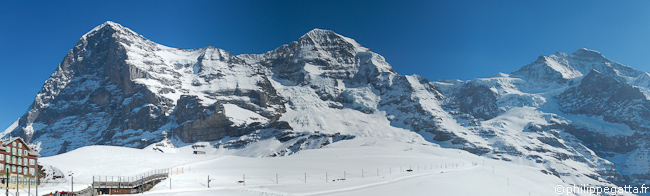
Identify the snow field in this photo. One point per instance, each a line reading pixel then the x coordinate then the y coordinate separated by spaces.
pixel 379 159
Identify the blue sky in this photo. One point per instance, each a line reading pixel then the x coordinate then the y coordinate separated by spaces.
pixel 435 39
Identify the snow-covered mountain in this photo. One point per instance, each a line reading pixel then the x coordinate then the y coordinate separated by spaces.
pixel 579 117
pixel 577 114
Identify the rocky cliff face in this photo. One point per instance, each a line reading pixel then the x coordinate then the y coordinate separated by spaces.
pixel 580 116
pixel 602 95
pixel 116 87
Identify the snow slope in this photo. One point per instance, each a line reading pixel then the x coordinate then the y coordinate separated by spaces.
pixel 436 171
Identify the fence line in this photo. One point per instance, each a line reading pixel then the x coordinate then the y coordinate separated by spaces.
pixel 342 175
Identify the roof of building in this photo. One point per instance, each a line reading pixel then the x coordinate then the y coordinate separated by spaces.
pixel 8 140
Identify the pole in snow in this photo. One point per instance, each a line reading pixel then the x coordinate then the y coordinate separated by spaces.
pixel 7 193
pixel 37 179
pixel 16 183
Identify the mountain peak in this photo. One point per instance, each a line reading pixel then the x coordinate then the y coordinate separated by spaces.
pixel 112 27
pixel 324 37
pixel 317 31
pixel 586 53
pixel 318 35
pixel 112 24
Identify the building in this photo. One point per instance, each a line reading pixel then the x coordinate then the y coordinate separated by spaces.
pixel 19 161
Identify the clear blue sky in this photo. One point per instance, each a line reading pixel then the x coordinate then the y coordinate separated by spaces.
pixel 435 39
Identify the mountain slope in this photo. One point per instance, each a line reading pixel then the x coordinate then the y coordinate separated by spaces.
pixel 563 108
pixel 579 117
pixel 118 88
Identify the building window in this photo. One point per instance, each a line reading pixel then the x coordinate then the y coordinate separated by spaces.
pixel 2 166
pixel 13 144
pixel 8 149
pixel 20 152
pixel 13 160
pixel 26 152
pixel 13 168
pixel 2 158
pixel 20 161
pixel 8 158
pixel 13 151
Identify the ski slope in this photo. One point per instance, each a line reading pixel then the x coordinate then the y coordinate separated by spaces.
pixel 436 171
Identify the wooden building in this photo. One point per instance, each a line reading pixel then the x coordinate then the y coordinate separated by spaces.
pixel 17 160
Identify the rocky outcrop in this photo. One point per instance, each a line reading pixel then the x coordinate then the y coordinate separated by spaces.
pixel 478 101
pixel 602 95
pixel 201 123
